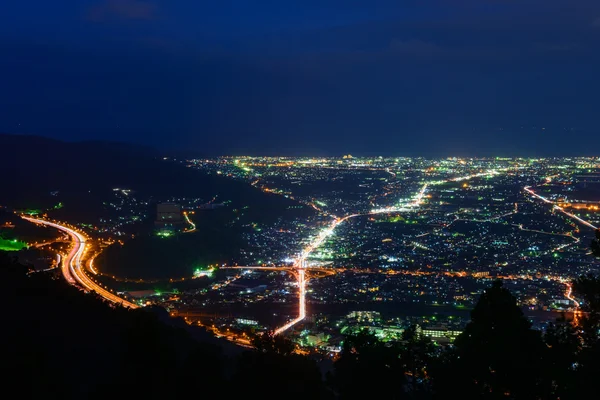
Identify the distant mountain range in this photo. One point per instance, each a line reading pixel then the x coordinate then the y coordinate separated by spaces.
pixel 37 172
pixel 42 144
pixel 34 166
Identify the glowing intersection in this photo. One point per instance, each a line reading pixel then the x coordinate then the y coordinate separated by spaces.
pixel 300 264
pixel 74 272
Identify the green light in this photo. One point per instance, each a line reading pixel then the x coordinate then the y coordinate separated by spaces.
pixel 11 245
pixel 199 272
pixel 32 212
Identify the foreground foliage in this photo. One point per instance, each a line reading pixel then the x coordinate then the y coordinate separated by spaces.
pixel 63 343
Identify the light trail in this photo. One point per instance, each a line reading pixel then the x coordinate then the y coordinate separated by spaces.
pixel 556 207
pixel 71 267
pixel 227 282
pixel 91 265
pixel 48 243
pixel 326 271
pixel 569 292
pixel 189 221
pixel 301 302
pixel 467 177
pixel 300 263
pixel 417 201
pixel 569 295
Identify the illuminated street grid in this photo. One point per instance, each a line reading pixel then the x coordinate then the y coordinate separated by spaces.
pixel 406 231
pixel 398 240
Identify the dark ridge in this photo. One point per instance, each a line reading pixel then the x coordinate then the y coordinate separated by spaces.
pixel 63 343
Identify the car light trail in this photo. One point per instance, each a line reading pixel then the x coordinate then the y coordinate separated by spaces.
pixel 189 221
pixel 91 265
pixel 569 292
pixel 556 207
pixel 71 266
pixel 302 303
pixel 300 263
pixel 569 295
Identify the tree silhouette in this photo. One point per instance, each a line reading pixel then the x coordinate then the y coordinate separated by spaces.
pixel 587 329
pixel 107 349
pixel 560 373
pixel 268 342
pixel 275 370
pixel 588 288
pixel 497 355
pixel 369 368
pixel 68 344
pixel 416 353
pixel 60 335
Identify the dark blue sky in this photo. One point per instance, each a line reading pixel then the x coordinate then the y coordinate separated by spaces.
pixel 398 77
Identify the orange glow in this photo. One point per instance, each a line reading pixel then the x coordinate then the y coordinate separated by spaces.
pixel 569 295
pixel 72 266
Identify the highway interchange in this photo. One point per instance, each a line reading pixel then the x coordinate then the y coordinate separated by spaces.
pixel 72 268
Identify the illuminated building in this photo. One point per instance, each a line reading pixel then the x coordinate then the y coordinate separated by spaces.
pixel 440 334
pixel 365 316
pixel 246 321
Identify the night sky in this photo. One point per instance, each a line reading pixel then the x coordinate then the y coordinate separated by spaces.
pixel 307 77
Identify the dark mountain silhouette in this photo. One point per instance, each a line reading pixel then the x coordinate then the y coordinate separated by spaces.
pixel 33 167
pixel 63 343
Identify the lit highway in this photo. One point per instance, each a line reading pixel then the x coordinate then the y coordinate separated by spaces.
pixel 300 264
pixel 72 264
pixel 74 273
pixel 556 207
pixel 569 295
pixel 301 303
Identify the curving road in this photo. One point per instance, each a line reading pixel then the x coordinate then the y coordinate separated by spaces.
pixel 189 221
pixel 72 267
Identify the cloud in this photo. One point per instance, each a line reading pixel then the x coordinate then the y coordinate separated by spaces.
pixel 123 9
pixel 596 23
